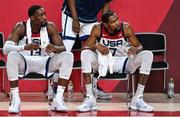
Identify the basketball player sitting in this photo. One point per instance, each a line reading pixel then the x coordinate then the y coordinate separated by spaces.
pixel 117 38
pixel 34 46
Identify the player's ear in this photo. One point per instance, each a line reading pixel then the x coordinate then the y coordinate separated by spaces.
pixel 105 24
pixel 32 17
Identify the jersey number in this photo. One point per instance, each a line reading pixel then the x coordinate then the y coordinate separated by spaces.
pixel 113 50
pixel 36 52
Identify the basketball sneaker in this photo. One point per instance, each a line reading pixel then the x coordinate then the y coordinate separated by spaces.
pixel 59 105
pixel 102 95
pixel 139 104
pixel 89 104
pixel 14 105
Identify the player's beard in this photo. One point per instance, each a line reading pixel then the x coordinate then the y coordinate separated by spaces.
pixel 43 24
pixel 116 30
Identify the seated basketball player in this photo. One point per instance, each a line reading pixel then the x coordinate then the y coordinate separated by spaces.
pixel 117 38
pixel 34 46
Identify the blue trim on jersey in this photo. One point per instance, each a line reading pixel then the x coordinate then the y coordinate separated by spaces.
pixel 85 37
pixel 124 66
pixel 65 26
pixel 47 67
pixel 69 38
pixel 81 19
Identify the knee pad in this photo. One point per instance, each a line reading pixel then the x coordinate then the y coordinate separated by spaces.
pixel 87 58
pixel 147 59
pixel 70 56
pixel 66 66
pixel 13 56
pixel 85 55
pixel 67 56
pixel 147 55
pixel 13 60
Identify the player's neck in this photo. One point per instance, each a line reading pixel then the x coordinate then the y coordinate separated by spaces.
pixel 110 32
pixel 35 28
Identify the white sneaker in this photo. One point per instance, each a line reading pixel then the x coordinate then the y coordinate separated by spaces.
pixel 89 104
pixel 14 105
pixel 58 105
pixel 102 95
pixel 138 103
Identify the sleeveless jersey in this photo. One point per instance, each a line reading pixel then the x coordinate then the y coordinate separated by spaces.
pixel 35 39
pixel 87 10
pixel 117 43
pixel 36 60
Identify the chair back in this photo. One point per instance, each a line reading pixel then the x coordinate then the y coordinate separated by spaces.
pixel 155 42
pixel 1 40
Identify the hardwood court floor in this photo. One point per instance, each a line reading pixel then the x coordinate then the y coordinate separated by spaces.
pixel 36 104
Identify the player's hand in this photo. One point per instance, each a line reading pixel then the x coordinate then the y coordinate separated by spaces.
pixel 133 50
pixel 32 46
pixel 51 48
pixel 102 49
pixel 76 25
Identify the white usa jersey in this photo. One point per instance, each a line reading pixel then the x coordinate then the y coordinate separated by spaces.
pixel 35 60
pixel 117 43
pixel 36 38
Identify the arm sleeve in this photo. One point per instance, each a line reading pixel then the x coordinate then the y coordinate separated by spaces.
pixel 11 46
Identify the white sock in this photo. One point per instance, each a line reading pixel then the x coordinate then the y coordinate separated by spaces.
pixel 60 92
pixel 140 90
pixel 15 93
pixel 89 90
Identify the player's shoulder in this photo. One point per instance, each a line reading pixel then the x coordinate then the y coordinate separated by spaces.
pixel 19 27
pixel 126 24
pixel 51 26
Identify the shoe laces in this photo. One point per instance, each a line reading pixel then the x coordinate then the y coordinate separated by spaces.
pixel 87 101
pixel 141 102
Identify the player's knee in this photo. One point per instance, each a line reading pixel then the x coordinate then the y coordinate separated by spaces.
pixel 13 56
pixel 85 55
pixel 147 56
pixel 68 57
